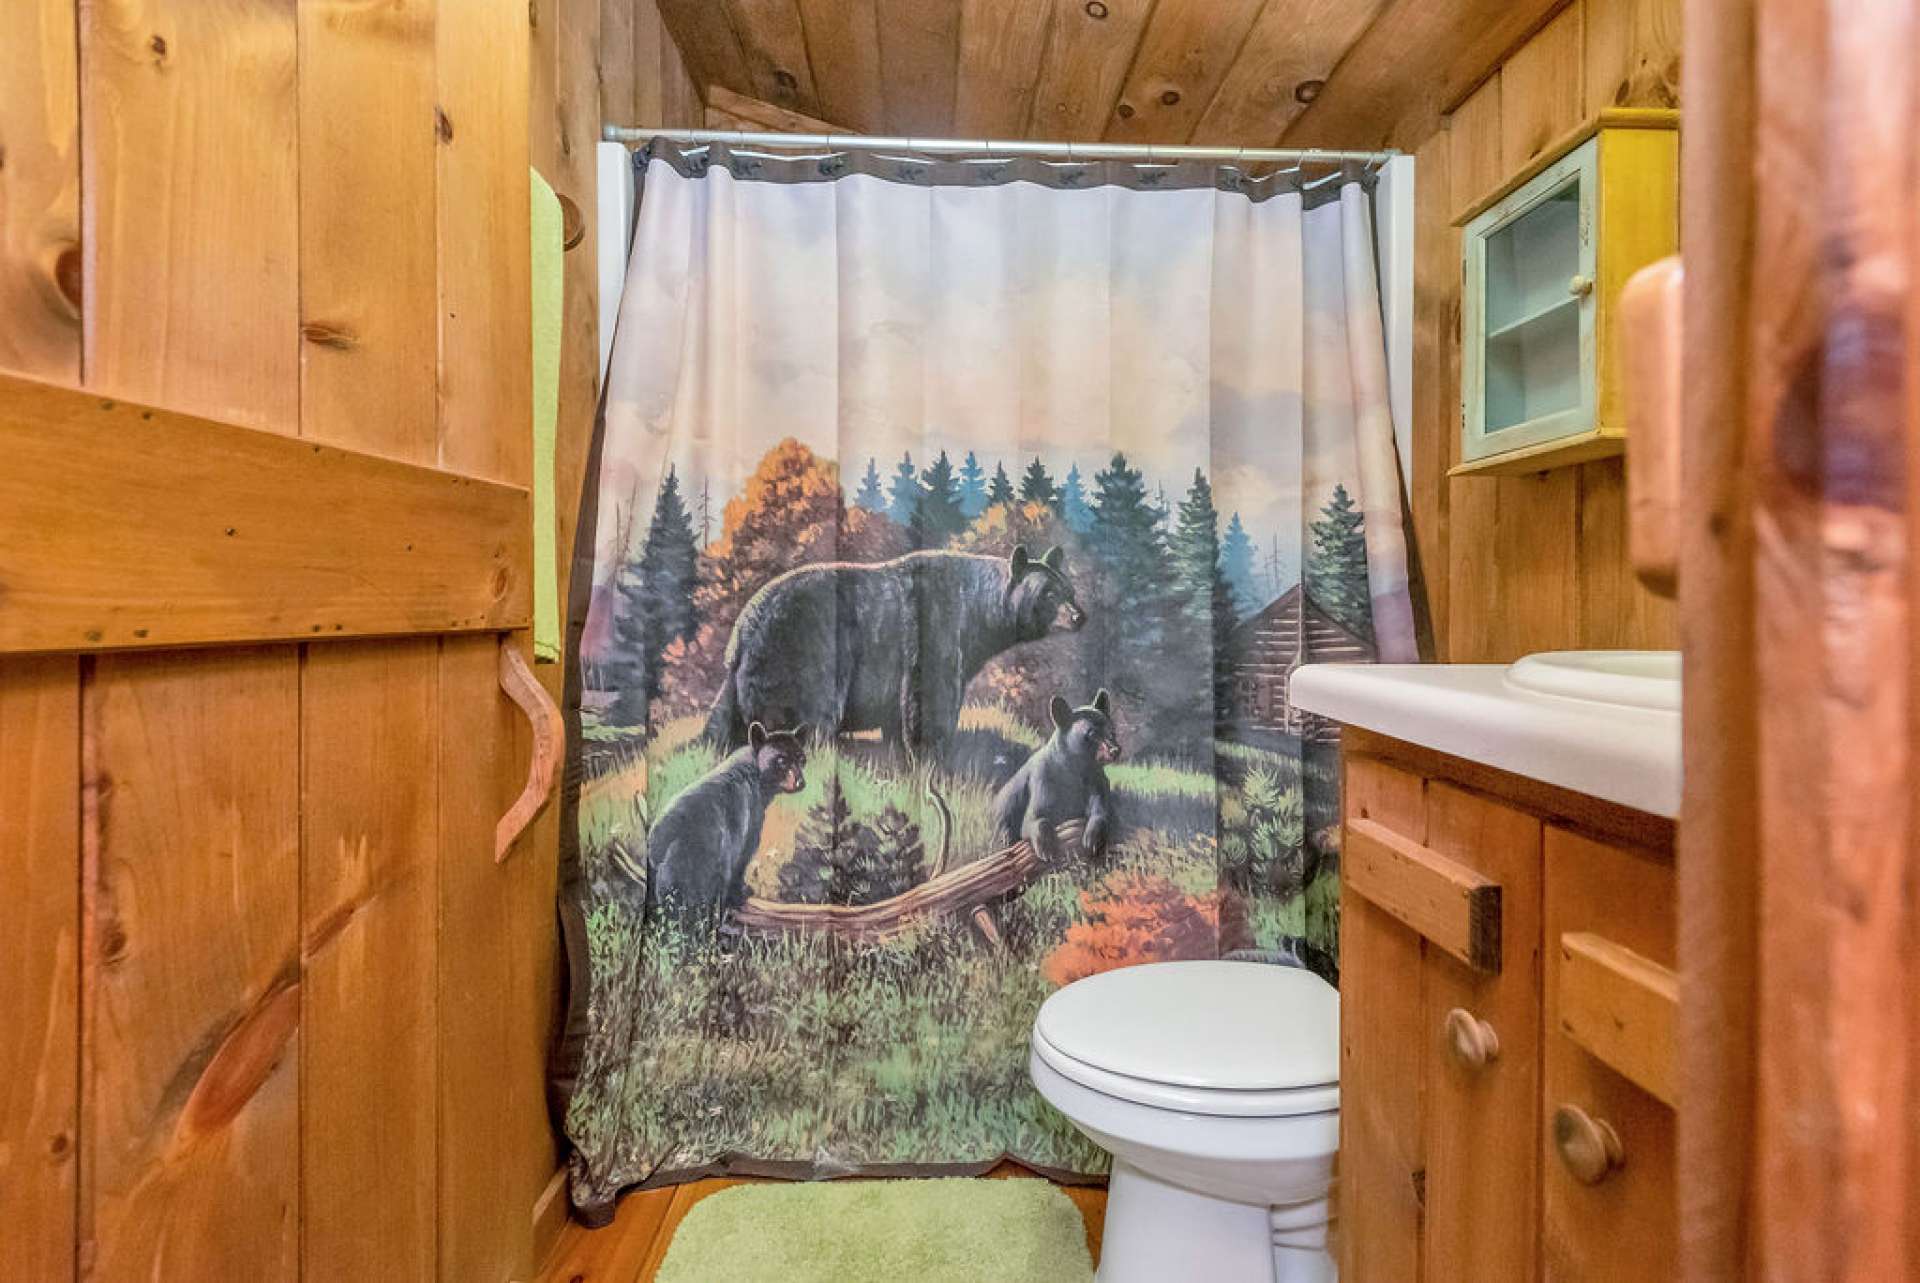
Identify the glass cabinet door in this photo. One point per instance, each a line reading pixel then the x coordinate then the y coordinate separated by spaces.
pixel 1528 313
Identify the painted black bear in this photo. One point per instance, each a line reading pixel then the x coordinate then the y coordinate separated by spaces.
pixel 887 647
pixel 699 848
pixel 1065 779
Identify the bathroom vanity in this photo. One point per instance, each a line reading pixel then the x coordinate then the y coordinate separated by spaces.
pixel 1507 954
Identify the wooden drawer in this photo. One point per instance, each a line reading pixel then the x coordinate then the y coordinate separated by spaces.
pixel 1608 1055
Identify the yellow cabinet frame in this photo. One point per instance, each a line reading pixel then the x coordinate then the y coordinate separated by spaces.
pixel 1630 217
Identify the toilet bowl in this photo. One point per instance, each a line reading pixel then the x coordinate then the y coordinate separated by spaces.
pixel 1215 1086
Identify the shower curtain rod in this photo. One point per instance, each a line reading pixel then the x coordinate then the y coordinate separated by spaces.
pixel 1002 147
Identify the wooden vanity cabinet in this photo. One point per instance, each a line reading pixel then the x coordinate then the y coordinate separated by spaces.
pixel 1506 1035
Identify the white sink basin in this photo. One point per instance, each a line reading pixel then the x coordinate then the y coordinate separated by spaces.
pixel 1644 679
pixel 1596 722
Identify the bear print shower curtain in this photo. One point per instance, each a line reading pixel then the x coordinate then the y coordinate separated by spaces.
pixel 954 531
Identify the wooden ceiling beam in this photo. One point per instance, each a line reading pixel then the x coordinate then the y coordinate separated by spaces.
pixel 729 110
pixel 1375 97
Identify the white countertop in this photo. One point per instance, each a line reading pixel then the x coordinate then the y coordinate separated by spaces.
pixel 1622 755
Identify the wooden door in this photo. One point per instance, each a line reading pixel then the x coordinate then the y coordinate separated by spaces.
pixel 1482 1114
pixel 1798 847
pixel 270 1008
pixel 1383 1052
pixel 1440 1035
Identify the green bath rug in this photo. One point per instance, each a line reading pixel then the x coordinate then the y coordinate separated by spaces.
pixel 880 1231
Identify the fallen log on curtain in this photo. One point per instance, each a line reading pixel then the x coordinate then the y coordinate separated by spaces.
pixel 986 881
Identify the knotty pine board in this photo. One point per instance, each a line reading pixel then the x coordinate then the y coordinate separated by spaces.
pixel 191 966
pixel 496 954
pixel 190 972
pixel 1382 1046
pixel 40 958
pixel 40 697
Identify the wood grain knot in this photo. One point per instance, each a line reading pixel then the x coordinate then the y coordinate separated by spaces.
pixel 327 335
pixel 113 942
pixel 573 224
pixel 1861 445
pixel 67 276
pixel 242 1063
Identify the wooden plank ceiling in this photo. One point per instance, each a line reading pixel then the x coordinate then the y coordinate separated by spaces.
pixel 1239 72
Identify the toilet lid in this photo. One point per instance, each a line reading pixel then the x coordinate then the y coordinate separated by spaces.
pixel 1239 1026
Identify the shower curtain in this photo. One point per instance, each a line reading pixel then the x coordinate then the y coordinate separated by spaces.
pixel 955 531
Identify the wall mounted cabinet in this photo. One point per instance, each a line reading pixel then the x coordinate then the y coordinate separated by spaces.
pixel 1544 258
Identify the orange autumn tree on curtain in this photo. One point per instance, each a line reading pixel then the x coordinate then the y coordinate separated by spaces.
pixel 1134 918
pixel 790 513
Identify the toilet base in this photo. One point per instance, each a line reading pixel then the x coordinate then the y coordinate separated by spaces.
pixel 1158 1232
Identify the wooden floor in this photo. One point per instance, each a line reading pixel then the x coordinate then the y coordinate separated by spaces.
pixel 630 1250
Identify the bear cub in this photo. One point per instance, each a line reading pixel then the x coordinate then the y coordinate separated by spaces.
pixel 1065 779
pixel 699 849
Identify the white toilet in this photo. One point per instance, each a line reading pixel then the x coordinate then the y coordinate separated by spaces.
pixel 1216 1087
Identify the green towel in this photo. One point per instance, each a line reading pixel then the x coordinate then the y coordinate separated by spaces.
pixel 549 281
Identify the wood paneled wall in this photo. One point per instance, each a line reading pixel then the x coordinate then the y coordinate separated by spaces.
pixel 1539 562
pixel 591 62
pixel 643 78
pixel 270 1009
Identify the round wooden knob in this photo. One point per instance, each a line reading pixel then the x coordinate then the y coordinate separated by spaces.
pixel 1588 1146
pixel 1471 1040
pixel 1580 286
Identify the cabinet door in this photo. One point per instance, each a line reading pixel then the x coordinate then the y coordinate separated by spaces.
pixel 1482 1111
pixel 1382 1051
pixel 1617 1224
pixel 1529 312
